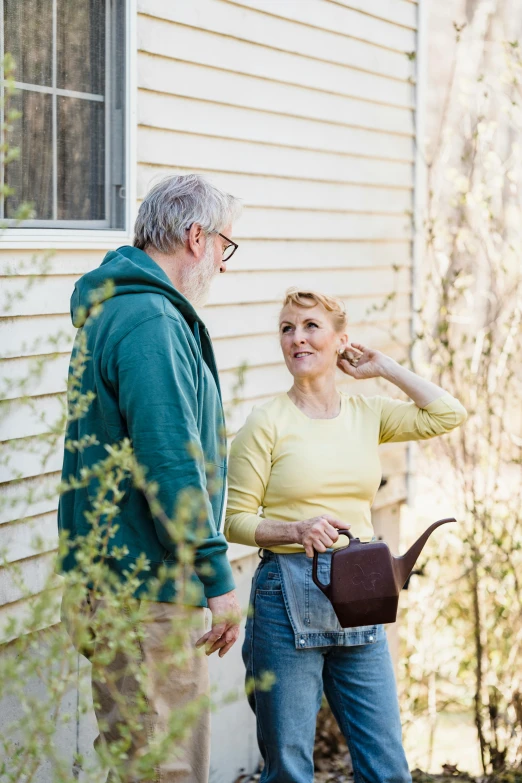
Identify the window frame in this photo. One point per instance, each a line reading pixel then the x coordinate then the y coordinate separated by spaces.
pixel 92 234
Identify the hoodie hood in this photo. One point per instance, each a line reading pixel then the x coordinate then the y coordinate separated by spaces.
pixel 126 270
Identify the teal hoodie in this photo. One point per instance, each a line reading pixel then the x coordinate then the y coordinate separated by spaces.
pixel 152 370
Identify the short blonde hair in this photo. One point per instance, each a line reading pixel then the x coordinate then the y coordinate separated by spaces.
pixel 304 298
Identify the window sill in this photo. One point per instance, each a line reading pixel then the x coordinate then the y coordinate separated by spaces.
pixel 62 239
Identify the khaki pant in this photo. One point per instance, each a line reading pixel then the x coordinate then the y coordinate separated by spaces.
pixel 166 682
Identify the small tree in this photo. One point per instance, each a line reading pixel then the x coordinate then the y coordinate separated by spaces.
pixel 30 738
pixel 468 648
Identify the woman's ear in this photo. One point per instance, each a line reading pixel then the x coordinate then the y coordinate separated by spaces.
pixel 344 344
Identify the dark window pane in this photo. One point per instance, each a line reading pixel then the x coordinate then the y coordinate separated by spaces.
pixel 81 159
pixel 81 45
pixel 28 36
pixel 31 175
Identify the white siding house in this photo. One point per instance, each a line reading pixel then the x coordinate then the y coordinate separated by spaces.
pixel 303 108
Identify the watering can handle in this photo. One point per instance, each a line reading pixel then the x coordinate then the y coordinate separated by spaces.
pixel 315 577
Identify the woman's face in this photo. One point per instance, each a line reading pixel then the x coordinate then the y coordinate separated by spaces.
pixel 309 341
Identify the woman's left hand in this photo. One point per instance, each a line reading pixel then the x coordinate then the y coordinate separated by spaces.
pixel 362 362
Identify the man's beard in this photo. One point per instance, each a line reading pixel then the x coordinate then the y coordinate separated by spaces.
pixel 197 280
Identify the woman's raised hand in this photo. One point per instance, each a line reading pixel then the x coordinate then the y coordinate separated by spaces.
pixel 319 533
pixel 361 362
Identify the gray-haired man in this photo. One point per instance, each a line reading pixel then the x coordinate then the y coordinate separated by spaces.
pixel 152 369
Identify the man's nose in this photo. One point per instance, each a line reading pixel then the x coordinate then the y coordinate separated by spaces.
pixel 223 267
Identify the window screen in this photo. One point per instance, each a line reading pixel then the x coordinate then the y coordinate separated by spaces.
pixel 70 83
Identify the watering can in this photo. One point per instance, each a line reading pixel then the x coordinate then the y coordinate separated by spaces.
pixel 365 579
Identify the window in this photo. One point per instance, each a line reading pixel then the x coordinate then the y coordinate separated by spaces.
pixel 70 79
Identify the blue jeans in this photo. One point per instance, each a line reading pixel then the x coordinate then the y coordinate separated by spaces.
pixel 358 681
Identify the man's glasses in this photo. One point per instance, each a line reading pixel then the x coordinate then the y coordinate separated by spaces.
pixel 230 249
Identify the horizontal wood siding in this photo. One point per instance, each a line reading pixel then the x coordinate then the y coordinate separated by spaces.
pixel 306 112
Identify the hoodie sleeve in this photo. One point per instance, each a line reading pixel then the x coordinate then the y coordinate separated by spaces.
pixel 154 372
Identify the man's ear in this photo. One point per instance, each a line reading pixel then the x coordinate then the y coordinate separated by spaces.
pixel 196 240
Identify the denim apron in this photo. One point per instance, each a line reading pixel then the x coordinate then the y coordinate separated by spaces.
pixel 311 614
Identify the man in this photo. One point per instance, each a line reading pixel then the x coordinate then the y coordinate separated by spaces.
pixel 151 369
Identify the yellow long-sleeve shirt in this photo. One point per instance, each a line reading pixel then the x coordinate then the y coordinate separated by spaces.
pixel 295 468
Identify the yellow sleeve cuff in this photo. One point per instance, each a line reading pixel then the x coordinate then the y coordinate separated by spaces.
pixel 448 404
pixel 241 528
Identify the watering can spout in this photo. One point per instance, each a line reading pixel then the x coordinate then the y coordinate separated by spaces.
pixel 403 566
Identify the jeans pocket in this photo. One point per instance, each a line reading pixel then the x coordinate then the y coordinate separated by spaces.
pixel 275 589
pixel 268 579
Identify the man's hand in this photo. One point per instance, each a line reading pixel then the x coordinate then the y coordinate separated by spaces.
pixel 319 533
pixel 226 616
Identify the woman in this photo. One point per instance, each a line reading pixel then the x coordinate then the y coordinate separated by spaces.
pixel 309 458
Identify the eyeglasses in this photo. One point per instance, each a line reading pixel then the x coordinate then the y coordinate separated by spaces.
pixel 230 249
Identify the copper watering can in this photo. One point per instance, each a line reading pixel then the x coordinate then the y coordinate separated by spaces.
pixel 365 579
